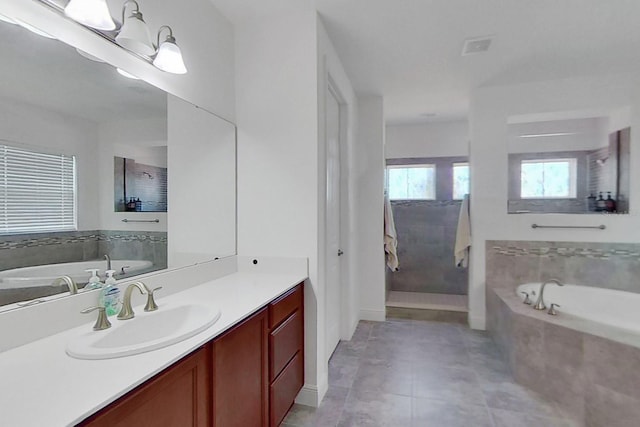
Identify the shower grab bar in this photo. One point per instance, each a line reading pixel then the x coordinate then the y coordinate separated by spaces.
pixel 140 220
pixel 597 227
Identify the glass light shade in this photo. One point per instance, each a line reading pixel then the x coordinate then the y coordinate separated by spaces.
pixel 125 74
pixel 134 35
pixel 169 58
pixel 92 13
pixel 88 56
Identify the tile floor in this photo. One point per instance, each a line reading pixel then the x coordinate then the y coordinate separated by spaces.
pixel 415 373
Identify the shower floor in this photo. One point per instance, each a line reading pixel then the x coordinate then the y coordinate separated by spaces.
pixel 426 301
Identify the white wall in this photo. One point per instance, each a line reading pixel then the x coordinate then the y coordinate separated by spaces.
pixel 437 139
pixel 490 109
pixel 277 116
pixel 36 127
pixel 368 194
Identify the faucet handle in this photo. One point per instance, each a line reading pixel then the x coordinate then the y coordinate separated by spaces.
pixel 527 300
pixel 151 302
pixel 102 322
pixel 552 310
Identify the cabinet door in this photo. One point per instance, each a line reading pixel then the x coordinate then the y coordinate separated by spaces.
pixel 240 369
pixel 177 397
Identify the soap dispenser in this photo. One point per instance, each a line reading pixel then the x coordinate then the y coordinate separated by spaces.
pixel 94 280
pixel 110 295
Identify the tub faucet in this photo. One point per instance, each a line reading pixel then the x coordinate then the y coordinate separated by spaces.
pixel 108 261
pixel 540 302
pixel 73 288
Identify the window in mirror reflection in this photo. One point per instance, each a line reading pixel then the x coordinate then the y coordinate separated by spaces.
pixel 39 191
pixel 411 182
pixel 548 178
pixel 460 180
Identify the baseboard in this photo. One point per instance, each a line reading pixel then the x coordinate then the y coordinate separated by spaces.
pixel 477 322
pixel 312 395
pixel 373 315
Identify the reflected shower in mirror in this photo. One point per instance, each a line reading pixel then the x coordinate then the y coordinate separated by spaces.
pixel 575 163
pixel 66 124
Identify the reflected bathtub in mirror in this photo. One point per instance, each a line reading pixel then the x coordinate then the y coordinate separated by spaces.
pixel 576 165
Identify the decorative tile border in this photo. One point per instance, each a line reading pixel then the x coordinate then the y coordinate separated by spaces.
pixel 567 252
pixel 63 238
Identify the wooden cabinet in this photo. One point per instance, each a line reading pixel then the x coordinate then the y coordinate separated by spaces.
pixel 240 366
pixel 286 356
pixel 177 397
pixel 247 377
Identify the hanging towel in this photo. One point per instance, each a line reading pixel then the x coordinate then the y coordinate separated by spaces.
pixel 463 235
pixel 390 236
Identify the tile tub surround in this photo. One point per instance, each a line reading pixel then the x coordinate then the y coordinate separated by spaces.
pixel 27 250
pixel 604 265
pixel 590 370
pixel 419 373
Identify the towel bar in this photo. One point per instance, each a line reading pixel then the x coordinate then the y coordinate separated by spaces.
pixel 140 220
pixel 598 227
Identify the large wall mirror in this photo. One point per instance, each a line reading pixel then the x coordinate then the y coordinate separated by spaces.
pixel 570 162
pixel 74 132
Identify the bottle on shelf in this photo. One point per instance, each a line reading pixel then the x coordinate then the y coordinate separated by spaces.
pixel 610 203
pixel 601 204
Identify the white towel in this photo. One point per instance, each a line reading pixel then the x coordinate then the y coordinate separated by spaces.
pixel 463 235
pixel 390 236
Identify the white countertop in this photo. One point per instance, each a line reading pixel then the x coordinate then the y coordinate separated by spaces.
pixel 40 385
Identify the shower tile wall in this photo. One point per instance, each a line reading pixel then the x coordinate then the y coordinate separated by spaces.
pixel 426 236
pixel 604 265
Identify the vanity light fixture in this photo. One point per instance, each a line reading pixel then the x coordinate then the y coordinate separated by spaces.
pixel 33 29
pixel 126 74
pixel 134 33
pixel 92 13
pixel 169 56
pixel 7 20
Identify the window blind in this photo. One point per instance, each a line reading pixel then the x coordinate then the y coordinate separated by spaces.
pixel 38 191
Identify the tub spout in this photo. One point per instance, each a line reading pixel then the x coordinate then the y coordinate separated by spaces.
pixel 108 261
pixel 73 288
pixel 540 302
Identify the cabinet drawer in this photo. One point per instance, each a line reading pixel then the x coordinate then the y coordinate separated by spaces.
pixel 284 390
pixel 281 308
pixel 284 343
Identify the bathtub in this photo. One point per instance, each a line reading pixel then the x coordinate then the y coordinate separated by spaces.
pixel 44 275
pixel 605 306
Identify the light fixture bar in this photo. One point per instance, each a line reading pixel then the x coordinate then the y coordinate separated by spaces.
pixel 544 135
pixel 170 61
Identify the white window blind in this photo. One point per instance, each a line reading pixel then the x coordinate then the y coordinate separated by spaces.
pixel 38 191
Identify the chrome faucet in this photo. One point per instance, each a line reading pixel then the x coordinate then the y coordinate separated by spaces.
pixel 127 312
pixel 540 302
pixel 108 261
pixel 73 288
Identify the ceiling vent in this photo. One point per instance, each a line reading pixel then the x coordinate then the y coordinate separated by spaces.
pixel 476 45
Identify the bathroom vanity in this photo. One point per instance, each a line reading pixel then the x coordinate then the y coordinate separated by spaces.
pixel 244 370
pixel 248 376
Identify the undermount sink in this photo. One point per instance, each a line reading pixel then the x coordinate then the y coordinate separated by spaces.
pixel 145 332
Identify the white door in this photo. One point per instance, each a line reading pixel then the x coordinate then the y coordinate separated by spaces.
pixel 333 289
